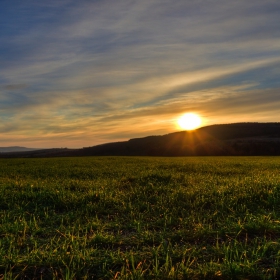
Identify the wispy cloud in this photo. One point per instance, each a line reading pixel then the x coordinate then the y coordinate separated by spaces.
pixel 85 72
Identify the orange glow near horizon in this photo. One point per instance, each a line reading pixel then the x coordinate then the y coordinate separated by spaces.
pixel 189 121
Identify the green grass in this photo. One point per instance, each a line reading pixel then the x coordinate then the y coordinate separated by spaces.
pixel 140 218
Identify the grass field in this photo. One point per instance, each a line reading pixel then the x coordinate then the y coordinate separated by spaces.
pixel 140 218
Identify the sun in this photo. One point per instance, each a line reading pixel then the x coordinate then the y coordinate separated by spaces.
pixel 189 121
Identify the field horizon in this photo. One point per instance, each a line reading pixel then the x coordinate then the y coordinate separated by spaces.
pixel 235 139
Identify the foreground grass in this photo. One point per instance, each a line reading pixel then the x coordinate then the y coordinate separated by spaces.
pixel 140 218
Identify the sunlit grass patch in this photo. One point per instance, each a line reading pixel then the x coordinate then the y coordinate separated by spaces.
pixel 140 218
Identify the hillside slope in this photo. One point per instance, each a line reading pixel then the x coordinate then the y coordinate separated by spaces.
pixel 225 139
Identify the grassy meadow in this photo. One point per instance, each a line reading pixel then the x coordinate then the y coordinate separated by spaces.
pixel 140 218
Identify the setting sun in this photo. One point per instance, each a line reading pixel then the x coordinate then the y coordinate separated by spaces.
pixel 189 121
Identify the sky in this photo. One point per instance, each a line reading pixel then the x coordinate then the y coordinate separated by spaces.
pixel 81 73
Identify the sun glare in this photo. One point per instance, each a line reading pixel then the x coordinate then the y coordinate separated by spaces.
pixel 189 121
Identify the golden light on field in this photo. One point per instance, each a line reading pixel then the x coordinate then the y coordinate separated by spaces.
pixel 189 121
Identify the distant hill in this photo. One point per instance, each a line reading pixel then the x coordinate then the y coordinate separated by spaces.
pixel 224 139
pixel 15 149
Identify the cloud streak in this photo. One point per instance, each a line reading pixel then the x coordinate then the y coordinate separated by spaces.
pixel 83 73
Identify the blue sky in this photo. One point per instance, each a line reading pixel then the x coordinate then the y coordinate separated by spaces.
pixel 80 73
